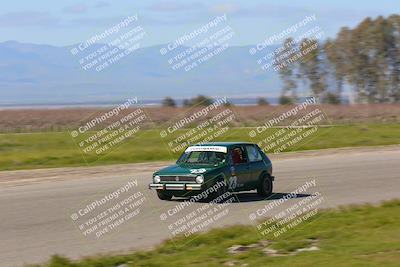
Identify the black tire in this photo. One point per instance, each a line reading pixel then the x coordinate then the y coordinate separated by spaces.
pixel 161 195
pixel 265 186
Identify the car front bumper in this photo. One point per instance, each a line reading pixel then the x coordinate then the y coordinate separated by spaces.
pixel 180 187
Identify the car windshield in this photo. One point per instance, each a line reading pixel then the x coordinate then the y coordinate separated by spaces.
pixel 202 157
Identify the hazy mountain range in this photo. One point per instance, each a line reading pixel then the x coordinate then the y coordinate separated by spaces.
pixel 32 74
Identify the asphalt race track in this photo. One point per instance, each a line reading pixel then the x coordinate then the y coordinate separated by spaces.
pixel 36 206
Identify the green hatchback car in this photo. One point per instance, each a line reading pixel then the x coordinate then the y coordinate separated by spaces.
pixel 238 166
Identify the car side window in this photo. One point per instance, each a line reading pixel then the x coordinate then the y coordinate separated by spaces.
pixel 253 153
pixel 238 155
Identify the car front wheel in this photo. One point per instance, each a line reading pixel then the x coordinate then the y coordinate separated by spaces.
pixel 265 186
pixel 161 195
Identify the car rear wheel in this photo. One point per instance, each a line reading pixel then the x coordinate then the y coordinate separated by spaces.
pixel 161 195
pixel 265 186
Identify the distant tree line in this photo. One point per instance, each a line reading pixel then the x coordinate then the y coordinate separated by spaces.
pixel 199 100
pixel 202 100
pixel 365 59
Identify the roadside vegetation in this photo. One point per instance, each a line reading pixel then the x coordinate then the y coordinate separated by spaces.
pixel 348 236
pixel 57 149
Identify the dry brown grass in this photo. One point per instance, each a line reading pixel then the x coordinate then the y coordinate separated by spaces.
pixel 28 120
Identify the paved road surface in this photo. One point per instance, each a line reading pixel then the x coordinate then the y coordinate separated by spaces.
pixel 36 206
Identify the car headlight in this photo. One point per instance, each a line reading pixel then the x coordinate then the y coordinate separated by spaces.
pixel 199 179
pixel 157 179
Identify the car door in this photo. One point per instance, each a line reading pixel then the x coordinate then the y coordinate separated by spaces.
pixel 240 170
pixel 256 163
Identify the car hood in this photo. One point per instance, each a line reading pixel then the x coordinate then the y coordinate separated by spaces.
pixel 185 169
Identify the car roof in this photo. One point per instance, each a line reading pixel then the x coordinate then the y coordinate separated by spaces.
pixel 227 144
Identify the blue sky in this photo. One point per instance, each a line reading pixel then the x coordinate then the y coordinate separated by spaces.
pixel 72 21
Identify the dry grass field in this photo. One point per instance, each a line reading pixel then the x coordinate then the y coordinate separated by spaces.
pixel 37 120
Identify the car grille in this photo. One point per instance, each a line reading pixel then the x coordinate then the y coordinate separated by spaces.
pixel 177 178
